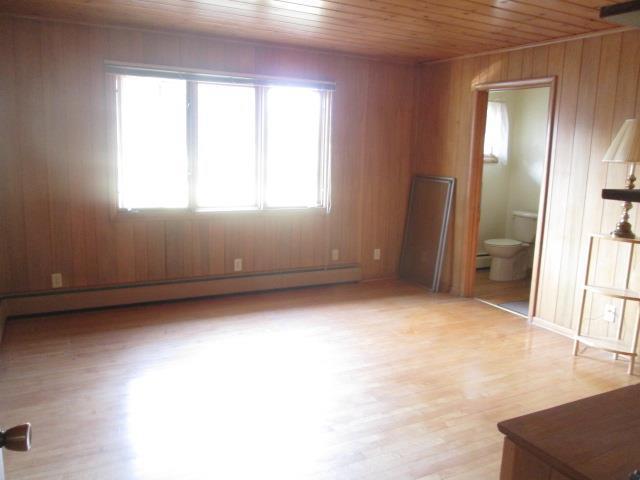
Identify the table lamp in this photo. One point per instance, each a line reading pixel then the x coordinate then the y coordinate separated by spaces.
pixel 625 148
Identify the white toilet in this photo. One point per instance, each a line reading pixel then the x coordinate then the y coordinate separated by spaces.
pixel 510 258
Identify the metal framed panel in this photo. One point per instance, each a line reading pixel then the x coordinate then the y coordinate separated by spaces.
pixel 425 236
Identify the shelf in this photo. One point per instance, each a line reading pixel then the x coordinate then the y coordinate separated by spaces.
pixel 608 344
pixel 624 294
pixel 608 236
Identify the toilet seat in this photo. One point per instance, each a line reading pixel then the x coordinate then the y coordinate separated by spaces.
pixel 503 242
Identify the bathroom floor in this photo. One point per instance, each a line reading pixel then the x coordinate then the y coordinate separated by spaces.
pixel 500 293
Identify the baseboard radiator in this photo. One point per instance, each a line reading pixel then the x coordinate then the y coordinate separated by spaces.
pixel 59 301
pixel 483 260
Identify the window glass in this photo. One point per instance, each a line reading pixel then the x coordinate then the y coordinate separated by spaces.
pixel 292 157
pixel 152 142
pixel 219 144
pixel 226 166
pixel 496 137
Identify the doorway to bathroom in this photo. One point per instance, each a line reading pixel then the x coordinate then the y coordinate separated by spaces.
pixel 512 135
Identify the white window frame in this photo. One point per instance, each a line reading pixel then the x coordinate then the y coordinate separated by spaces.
pixel 115 70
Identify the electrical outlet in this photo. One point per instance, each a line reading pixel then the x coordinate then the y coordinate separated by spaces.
pixel 335 254
pixel 56 280
pixel 376 254
pixel 609 313
pixel 237 265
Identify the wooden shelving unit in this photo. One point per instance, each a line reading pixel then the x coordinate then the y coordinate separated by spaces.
pixel 615 345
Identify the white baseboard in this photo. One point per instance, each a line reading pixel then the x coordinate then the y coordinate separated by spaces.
pixel 126 295
pixel 547 325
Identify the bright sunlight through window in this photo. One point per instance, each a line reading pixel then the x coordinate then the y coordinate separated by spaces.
pixel 153 165
pixel 293 140
pixel 227 167
pixel 496 136
pixel 209 143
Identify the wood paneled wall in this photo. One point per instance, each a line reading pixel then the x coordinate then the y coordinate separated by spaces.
pixel 54 164
pixel 54 160
pixel 597 89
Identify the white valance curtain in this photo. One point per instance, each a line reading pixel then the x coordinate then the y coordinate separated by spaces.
pixel 496 137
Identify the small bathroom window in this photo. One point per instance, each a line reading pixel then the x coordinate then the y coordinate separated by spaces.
pixel 496 136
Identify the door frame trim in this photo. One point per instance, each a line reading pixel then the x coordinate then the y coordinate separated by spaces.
pixel 474 187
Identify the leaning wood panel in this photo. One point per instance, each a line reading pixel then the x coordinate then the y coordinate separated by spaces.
pixel 426 228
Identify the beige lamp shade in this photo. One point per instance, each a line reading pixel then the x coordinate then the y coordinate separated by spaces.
pixel 625 148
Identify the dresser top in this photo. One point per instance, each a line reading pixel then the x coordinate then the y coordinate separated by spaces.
pixel 597 438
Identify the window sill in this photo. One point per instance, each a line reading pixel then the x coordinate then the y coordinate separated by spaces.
pixel 189 214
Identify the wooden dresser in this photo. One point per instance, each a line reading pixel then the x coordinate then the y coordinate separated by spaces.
pixel 597 438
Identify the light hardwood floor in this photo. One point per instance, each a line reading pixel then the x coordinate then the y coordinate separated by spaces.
pixel 500 292
pixel 377 380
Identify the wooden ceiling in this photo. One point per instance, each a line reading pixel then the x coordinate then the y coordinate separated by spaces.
pixel 415 30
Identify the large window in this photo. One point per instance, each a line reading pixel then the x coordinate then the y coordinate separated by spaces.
pixel 212 143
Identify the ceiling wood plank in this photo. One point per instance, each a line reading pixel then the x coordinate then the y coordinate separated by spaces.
pixel 409 30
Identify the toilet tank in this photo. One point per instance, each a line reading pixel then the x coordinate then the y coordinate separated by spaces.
pixel 524 226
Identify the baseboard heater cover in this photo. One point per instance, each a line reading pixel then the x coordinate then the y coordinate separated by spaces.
pixel 50 302
pixel 483 260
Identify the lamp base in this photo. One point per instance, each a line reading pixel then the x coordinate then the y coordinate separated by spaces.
pixel 623 230
pixel 623 227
